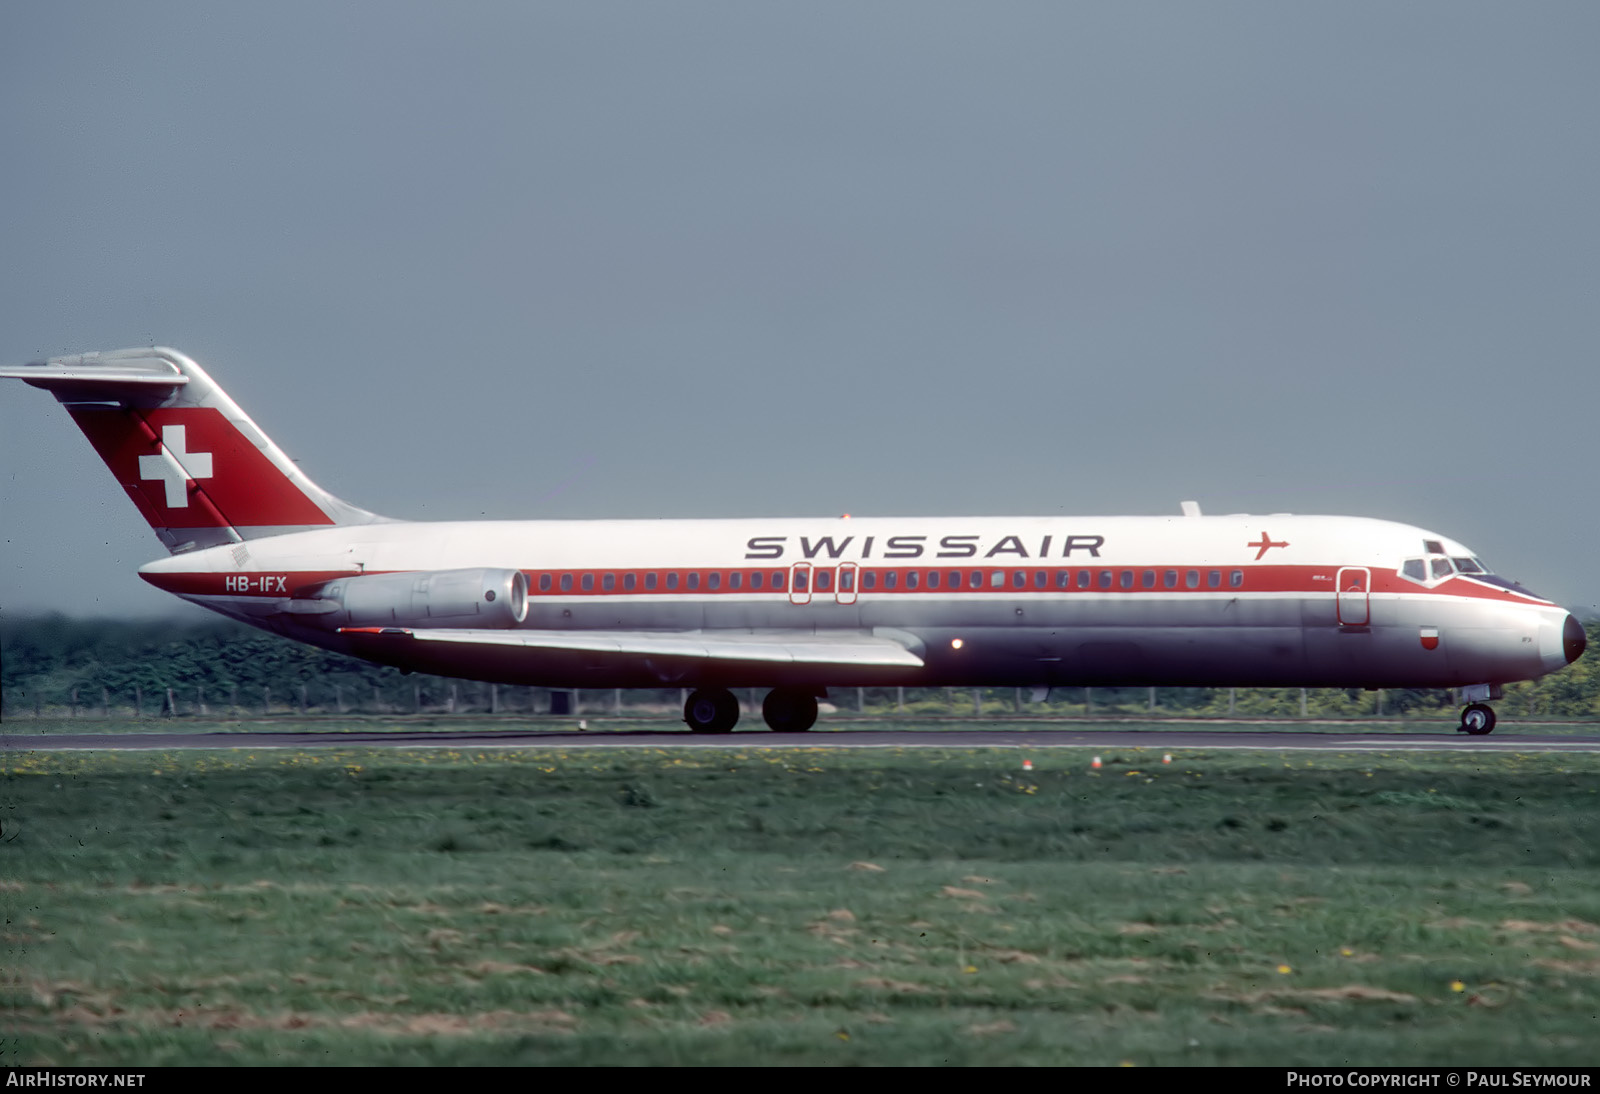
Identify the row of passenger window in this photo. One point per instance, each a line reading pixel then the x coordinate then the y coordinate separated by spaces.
pixel 1044 579
pixel 821 580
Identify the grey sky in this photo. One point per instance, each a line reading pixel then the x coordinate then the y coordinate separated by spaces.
pixel 572 260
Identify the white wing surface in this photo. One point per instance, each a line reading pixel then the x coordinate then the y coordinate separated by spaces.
pixel 851 648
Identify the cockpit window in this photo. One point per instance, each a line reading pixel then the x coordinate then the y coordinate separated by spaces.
pixel 1429 570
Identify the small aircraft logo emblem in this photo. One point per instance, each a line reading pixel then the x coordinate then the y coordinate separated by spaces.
pixel 1267 544
pixel 1430 638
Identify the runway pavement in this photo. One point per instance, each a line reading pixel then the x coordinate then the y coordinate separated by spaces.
pixel 1198 738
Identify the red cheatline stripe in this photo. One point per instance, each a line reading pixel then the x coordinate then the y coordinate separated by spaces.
pixel 823 582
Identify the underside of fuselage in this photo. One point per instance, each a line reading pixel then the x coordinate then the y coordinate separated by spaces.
pixel 1238 643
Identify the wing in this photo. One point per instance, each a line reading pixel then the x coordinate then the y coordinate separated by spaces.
pixel 637 658
pixel 785 647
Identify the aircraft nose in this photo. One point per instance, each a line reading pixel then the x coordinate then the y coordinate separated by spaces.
pixel 1573 639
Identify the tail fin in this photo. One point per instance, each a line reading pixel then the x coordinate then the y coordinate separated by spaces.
pixel 195 465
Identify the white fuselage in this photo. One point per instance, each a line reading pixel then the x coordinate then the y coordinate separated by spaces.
pixel 1313 601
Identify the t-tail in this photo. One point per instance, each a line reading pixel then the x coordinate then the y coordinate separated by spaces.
pixel 198 469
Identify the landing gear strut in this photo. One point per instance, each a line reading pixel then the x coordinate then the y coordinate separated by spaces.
pixel 789 710
pixel 1477 719
pixel 711 710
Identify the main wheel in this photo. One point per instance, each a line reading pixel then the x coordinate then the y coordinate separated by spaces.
pixel 789 710
pixel 1478 720
pixel 711 710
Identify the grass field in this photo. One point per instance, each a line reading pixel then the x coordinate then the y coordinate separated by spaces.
pixel 761 904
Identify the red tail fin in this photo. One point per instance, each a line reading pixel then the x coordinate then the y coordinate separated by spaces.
pixel 198 469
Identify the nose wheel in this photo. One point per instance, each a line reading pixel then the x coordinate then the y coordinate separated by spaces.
pixel 1477 720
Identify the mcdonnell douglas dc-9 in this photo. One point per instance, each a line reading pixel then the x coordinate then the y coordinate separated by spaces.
pixel 796 605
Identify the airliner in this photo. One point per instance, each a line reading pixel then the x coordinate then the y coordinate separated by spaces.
pixel 797 605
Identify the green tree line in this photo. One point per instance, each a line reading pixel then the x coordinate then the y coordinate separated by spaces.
pixel 55 665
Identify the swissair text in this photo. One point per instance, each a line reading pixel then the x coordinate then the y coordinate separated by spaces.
pixel 893 547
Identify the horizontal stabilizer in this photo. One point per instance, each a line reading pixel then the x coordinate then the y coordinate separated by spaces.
pixel 130 369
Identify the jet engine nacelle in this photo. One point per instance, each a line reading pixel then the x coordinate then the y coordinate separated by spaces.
pixel 431 598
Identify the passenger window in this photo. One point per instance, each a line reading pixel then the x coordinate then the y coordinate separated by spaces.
pixel 997 579
pixel 1214 579
pixel 608 582
pixel 1149 579
pixel 694 579
pixel 755 579
pixel 1192 579
pixel 869 580
pixel 1105 579
pixel 1236 579
pixel 629 581
pixel 735 580
pixel 1019 579
pixel 1063 579
pixel 800 581
pixel 824 581
pixel 847 581
pixel 566 583
pixel 953 579
pixel 1127 579
pixel 588 583
pixel 1415 568
pixel 713 580
pixel 891 579
pixel 650 581
pixel 777 581
pixel 933 579
pixel 1084 577
pixel 975 579
pixel 544 583
pixel 1170 579
pixel 1040 579
pixel 911 579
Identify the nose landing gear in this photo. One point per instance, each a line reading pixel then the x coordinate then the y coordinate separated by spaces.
pixel 1477 719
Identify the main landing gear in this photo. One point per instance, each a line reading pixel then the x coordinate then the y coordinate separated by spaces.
pixel 1477 719
pixel 789 710
pixel 715 710
pixel 711 710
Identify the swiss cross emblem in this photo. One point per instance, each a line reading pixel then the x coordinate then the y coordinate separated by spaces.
pixel 175 466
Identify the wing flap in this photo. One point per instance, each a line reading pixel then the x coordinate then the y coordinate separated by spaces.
pixel 845 648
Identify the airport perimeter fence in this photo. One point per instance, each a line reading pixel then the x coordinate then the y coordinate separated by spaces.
pixel 432 697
